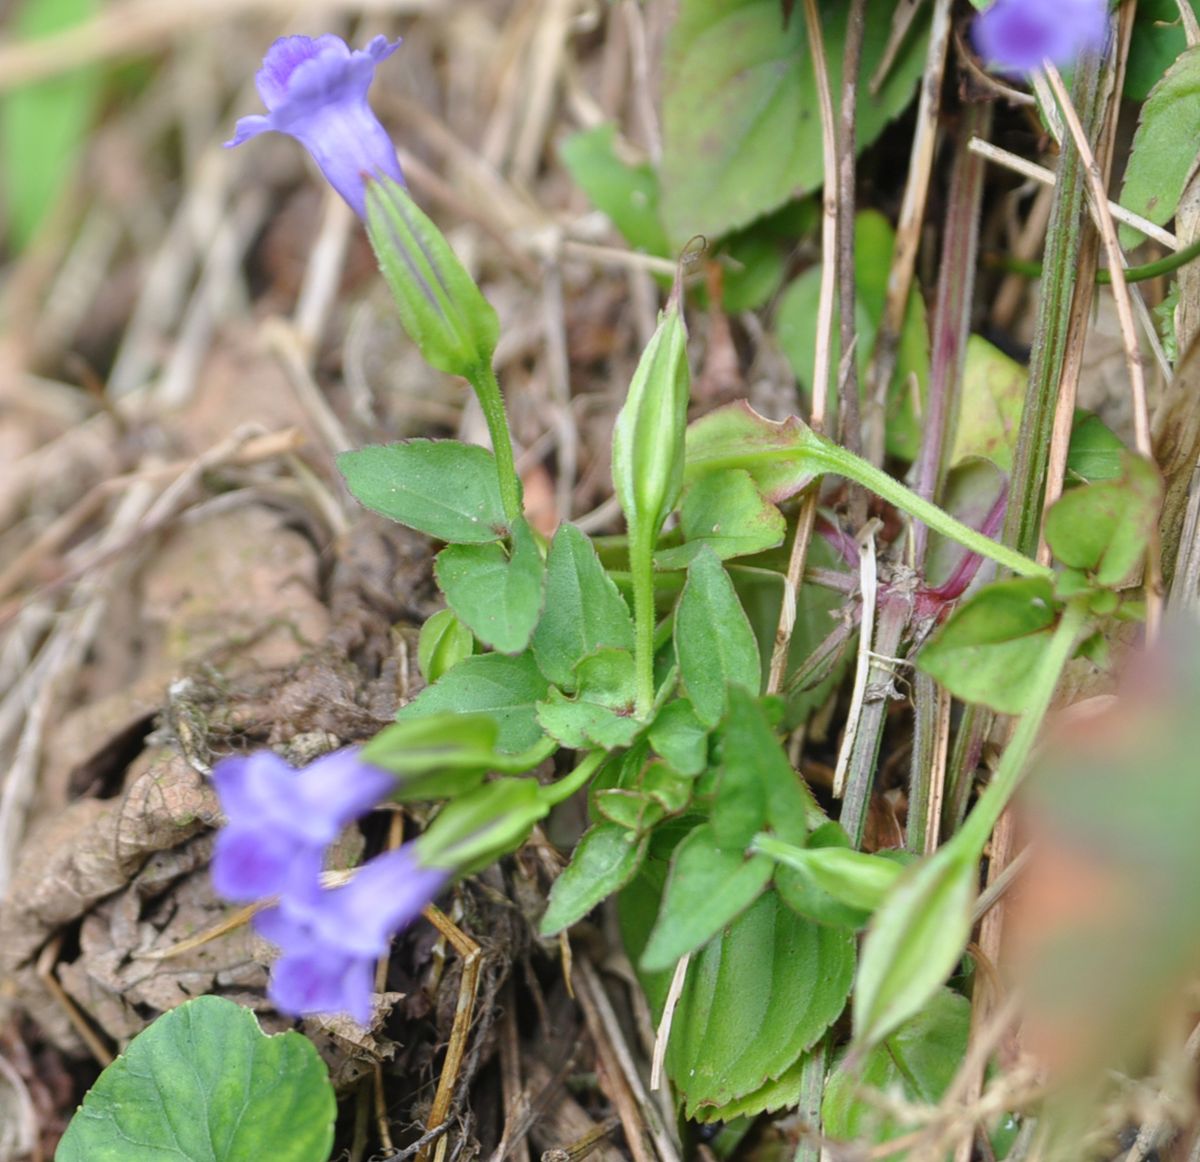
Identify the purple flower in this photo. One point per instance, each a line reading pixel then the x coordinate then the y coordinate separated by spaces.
pixel 331 940
pixel 316 92
pixel 1015 36
pixel 280 820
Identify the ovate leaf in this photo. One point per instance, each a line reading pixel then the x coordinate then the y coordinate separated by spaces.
pixel 204 1084
pixel 1164 147
pixel 741 133
pixel 714 643
pixel 496 594
pixel 726 512
pixel 605 860
pixel 708 886
pixel 992 645
pixel 583 611
pixel 442 488
pixel 506 689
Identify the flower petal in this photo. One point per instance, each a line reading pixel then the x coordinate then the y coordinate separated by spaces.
pixel 248 127
pixel 341 787
pixel 328 981
pixel 250 863
pixel 285 56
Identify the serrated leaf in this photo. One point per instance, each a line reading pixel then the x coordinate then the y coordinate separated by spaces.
pixel 203 1083
pixel 913 943
pixel 992 645
pixel 919 1060
pixel 605 860
pixel 496 594
pixel 740 130
pixel 442 488
pixel 1163 155
pixel 505 688
pixel 578 724
pixel 1105 528
pixel 583 609
pixel 714 642
pixel 754 1000
pixel 43 126
pixel 1158 38
pixel 708 886
pixel 627 193
pixel 726 512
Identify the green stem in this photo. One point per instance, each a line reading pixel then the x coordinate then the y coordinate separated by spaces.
pixel 483 380
pixel 1147 270
pixel 829 457
pixel 979 824
pixel 641 570
pixel 561 791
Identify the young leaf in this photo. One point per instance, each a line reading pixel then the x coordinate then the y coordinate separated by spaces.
pixel 479 827
pixel 443 643
pixel 441 488
pixel 1104 528
pixel 919 1060
pixel 1163 151
pixel 854 878
pixel 504 688
pixel 626 192
pixel 914 942
pixel 583 609
pixel 605 860
pixel 726 512
pixel 706 889
pixel 441 308
pixel 754 1000
pixel 630 810
pixel 714 643
pixel 991 645
pixel 757 786
pixel 739 136
pixel 497 595
pixel 204 1082
pixel 680 737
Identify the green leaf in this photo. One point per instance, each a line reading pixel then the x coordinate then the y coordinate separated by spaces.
pixel 796 330
pixel 919 1060
pixel 754 1000
pixel 626 192
pixel 993 393
pixel 726 512
pixel 43 126
pixel 741 134
pixel 204 1084
pixel 680 737
pixel 1158 38
pixel 708 886
pixel 505 688
pixel 1105 528
pixel 714 643
pixel 1163 153
pixel 805 896
pixel 497 595
pixel 605 860
pixel 583 610
pixel 442 488
pixel 1095 452
pixel 757 787
pixel 630 810
pixel 578 724
pixel 991 646
pixel 854 878
pixel 479 827
pixel 736 436
pixel 607 678
pixel 914 942
pixel 443 643
pixel 444 312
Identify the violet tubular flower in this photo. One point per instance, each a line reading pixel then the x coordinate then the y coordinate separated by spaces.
pixel 316 92
pixel 330 941
pixel 281 820
pixel 1016 36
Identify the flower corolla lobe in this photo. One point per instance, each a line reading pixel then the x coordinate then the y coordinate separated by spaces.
pixel 315 90
pixel 1016 36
